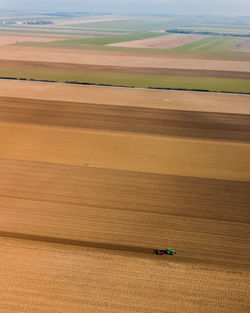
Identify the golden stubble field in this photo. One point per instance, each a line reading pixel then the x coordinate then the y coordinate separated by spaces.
pixel 88 187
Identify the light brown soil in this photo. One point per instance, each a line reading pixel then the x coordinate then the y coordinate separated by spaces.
pixel 163 42
pixel 155 99
pixel 8 40
pixel 36 54
pixel 242 47
pixel 83 205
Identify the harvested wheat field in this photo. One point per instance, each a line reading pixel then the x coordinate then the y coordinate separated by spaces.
pixel 163 42
pixel 93 179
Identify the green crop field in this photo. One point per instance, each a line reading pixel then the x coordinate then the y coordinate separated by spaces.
pixel 130 80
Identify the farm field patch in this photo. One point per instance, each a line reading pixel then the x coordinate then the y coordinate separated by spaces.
pixel 130 79
pixel 242 47
pixel 90 20
pixel 152 99
pixel 140 24
pixel 8 40
pixel 164 42
pixel 162 155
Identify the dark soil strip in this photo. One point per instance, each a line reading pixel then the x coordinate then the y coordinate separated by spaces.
pixel 222 126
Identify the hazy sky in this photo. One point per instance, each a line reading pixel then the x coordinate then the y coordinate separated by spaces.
pixel 234 7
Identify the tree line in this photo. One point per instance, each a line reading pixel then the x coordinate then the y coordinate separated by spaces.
pixel 210 33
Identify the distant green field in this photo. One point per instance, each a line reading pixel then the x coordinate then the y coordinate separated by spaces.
pixel 130 80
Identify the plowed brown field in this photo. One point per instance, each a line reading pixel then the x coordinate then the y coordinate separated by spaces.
pixel 88 189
